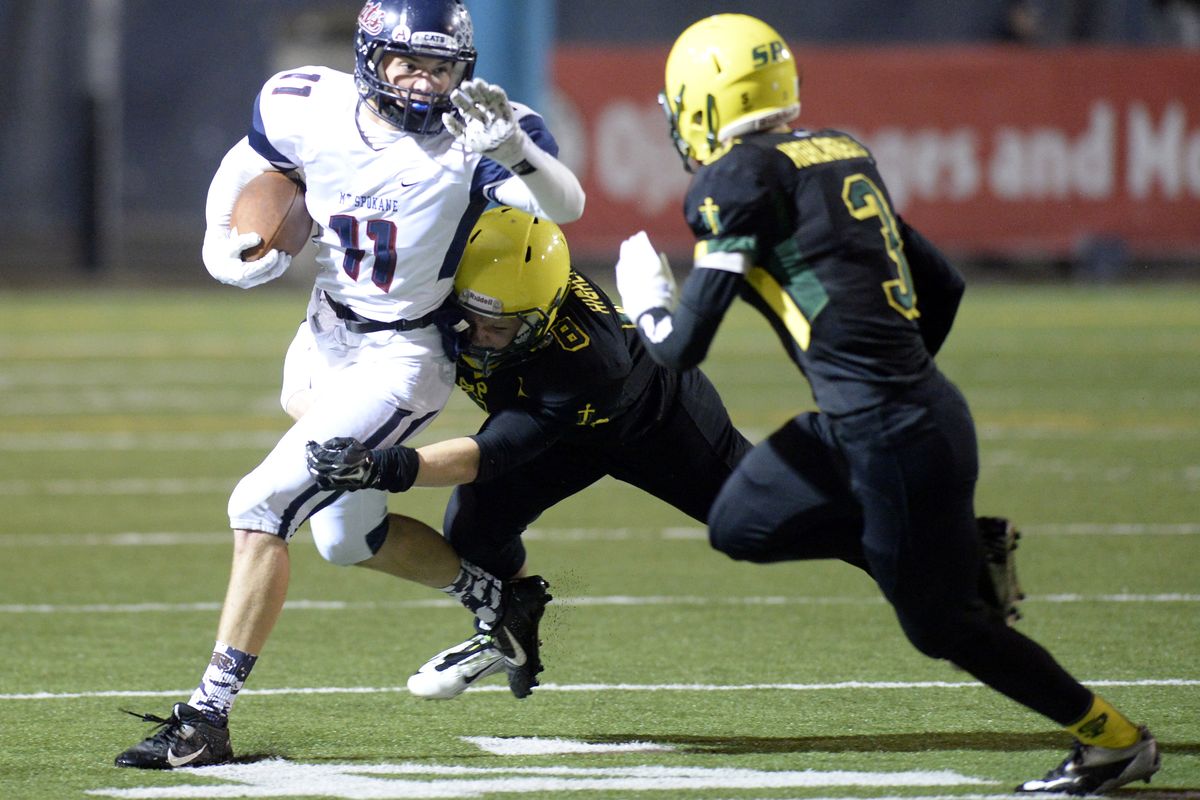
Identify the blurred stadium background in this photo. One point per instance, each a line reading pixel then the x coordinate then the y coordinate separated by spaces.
pixel 1038 141
pixel 1031 138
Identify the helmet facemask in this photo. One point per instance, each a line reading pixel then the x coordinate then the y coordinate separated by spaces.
pixel 705 122
pixel 407 109
pixel 533 333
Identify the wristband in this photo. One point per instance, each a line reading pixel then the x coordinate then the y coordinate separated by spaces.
pixel 395 468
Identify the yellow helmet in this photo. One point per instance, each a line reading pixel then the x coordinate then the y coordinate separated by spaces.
pixel 727 75
pixel 514 265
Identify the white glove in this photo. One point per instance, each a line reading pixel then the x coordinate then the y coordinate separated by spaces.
pixel 222 254
pixel 644 278
pixel 487 125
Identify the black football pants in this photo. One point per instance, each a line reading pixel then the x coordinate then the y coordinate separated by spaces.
pixel 891 490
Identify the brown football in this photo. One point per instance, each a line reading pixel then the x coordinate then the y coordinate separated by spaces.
pixel 272 205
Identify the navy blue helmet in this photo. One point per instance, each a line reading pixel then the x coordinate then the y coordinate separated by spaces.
pixel 428 28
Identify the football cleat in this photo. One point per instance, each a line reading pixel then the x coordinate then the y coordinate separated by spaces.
pixel 455 669
pixel 185 739
pixel 516 632
pixel 1095 770
pixel 999 586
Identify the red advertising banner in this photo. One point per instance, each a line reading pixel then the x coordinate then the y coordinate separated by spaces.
pixel 988 150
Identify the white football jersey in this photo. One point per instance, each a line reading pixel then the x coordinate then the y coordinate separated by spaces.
pixel 393 209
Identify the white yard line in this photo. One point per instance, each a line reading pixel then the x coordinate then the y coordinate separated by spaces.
pixel 119 488
pixel 164 441
pixel 604 687
pixel 626 601
pixel 281 778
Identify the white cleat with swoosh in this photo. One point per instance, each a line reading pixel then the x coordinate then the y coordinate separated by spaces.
pixel 456 669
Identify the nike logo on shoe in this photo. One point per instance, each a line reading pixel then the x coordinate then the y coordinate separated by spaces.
pixel 474 676
pixel 518 658
pixel 182 761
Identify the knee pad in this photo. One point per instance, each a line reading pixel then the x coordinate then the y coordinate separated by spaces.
pixel 724 540
pixel 732 532
pixel 351 529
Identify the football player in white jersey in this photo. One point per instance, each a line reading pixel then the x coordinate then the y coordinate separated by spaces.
pixel 399 160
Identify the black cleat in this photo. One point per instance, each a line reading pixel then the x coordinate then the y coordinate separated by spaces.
pixel 516 632
pixel 1096 770
pixel 999 586
pixel 185 739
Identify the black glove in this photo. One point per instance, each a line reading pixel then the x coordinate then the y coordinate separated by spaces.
pixel 346 463
pixel 342 463
pixel 455 330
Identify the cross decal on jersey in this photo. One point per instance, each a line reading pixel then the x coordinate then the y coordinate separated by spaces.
pixel 712 215
pixel 587 416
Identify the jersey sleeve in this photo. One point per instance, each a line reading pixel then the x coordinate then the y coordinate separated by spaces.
pixel 509 438
pixel 490 175
pixel 939 287
pixel 282 112
pixel 732 201
pixel 725 208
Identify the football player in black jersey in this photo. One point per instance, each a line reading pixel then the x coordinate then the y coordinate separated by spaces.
pixel 800 224
pixel 571 397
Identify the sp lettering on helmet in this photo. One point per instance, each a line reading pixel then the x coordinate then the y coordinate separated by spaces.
pixel 726 76
pixel 772 53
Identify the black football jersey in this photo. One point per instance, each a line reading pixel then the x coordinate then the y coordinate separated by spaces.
pixel 592 382
pixel 829 267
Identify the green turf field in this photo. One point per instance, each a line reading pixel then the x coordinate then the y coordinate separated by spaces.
pixel 672 672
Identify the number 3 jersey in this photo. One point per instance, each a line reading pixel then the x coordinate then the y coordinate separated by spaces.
pixel 393 208
pixel 828 265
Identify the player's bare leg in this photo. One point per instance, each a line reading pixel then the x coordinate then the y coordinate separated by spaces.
pixel 196 733
pixel 258 583
pixel 415 552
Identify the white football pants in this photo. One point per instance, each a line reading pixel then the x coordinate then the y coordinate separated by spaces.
pixel 381 388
